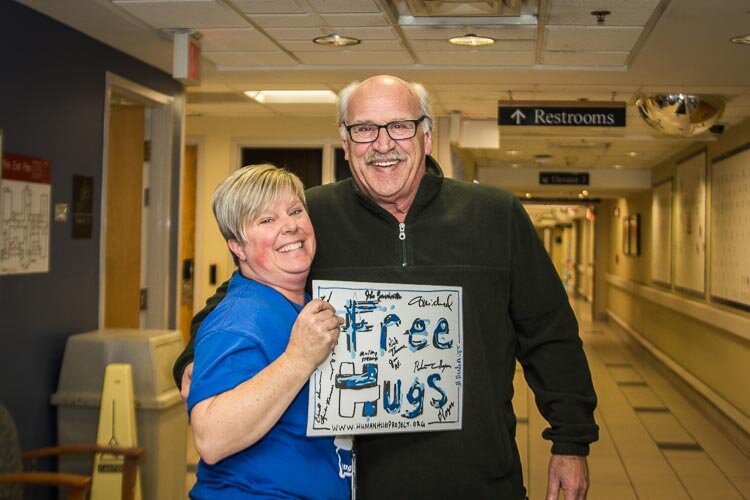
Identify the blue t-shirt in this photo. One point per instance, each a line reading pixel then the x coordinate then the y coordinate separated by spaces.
pixel 247 331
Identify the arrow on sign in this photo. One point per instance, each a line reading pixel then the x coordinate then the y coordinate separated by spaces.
pixel 518 116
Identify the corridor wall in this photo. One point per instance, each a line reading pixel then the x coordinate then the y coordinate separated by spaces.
pixel 52 106
pixel 706 343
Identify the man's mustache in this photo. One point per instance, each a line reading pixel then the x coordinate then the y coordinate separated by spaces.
pixel 377 157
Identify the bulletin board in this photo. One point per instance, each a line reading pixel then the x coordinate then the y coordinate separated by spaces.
pixel 730 229
pixel 690 229
pixel 398 363
pixel 661 233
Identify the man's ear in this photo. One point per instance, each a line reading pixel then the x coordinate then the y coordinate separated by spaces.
pixel 236 248
pixel 428 143
pixel 346 149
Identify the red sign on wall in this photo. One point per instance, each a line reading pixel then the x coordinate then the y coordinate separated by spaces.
pixel 26 168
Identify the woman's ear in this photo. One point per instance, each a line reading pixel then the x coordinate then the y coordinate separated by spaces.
pixel 236 248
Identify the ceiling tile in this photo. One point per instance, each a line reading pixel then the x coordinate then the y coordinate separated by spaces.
pixel 306 33
pixel 235 40
pixel 268 6
pixel 622 12
pixel 173 14
pixel 355 19
pixel 327 110
pixel 590 38
pixel 475 57
pixel 367 45
pixel 521 45
pixel 356 58
pixel 343 5
pixel 584 58
pixel 306 20
pixel 249 59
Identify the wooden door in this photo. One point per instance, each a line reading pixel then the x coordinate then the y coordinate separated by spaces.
pixel 187 240
pixel 123 217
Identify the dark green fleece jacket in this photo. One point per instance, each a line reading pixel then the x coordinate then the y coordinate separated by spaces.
pixel 515 307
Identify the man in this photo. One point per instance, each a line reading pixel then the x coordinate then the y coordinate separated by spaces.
pixel 399 221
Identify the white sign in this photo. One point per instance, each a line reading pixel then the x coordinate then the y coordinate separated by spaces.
pixel 397 366
pixel 24 214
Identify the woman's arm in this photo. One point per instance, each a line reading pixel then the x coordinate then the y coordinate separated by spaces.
pixel 236 419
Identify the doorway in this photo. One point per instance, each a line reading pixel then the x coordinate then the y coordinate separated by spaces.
pixel 307 163
pixel 136 198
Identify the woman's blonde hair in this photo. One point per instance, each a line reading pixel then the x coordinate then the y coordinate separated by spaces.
pixel 249 191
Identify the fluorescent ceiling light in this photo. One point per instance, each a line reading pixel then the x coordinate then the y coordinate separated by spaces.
pixel 741 40
pixel 292 96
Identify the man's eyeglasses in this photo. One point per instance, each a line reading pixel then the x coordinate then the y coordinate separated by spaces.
pixel 398 130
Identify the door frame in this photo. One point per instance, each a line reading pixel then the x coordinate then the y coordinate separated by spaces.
pixel 163 108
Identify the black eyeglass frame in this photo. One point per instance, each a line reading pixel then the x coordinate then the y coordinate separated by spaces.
pixel 416 123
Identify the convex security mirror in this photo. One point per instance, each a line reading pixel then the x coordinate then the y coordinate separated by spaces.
pixel 680 114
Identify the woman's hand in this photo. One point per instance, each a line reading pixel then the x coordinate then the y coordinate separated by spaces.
pixel 314 334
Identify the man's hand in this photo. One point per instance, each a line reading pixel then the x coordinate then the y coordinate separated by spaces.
pixel 568 473
pixel 187 377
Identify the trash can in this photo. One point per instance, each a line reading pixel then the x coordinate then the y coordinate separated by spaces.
pixel 161 419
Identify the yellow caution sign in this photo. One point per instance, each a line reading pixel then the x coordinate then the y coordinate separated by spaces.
pixel 116 428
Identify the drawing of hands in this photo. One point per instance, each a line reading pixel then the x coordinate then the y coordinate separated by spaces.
pixel 314 334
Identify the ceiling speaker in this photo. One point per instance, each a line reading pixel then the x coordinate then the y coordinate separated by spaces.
pixel 680 114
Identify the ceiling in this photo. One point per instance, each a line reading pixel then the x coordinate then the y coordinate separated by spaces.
pixel 545 50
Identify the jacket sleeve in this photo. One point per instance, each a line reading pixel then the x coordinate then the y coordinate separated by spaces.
pixel 549 347
pixel 186 356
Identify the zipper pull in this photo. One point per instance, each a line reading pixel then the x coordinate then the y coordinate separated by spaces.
pixel 401 231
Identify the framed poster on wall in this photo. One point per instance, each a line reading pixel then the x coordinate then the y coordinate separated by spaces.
pixel 661 233
pixel 730 229
pixel 690 225
pixel 25 194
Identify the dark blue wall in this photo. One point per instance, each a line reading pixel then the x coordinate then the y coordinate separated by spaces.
pixel 52 86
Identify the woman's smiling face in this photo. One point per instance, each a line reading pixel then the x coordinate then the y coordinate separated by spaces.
pixel 279 245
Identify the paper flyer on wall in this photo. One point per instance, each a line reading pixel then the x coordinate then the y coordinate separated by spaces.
pixel 398 363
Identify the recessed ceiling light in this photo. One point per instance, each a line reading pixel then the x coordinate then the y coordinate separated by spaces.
pixel 336 40
pixel 292 96
pixel 513 152
pixel 515 165
pixel 632 154
pixel 471 40
pixel 741 39
pixel 542 158
pixel 528 195
pixel 618 167
pixel 585 192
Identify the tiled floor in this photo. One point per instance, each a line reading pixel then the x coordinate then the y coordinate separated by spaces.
pixel 654 444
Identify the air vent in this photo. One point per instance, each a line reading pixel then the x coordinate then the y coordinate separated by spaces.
pixel 457 8
pixel 457 13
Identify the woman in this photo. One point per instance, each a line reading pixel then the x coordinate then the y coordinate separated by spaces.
pixel 255 352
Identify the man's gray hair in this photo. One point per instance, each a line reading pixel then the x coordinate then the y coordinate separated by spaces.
pixel 417 90
pixel 247 192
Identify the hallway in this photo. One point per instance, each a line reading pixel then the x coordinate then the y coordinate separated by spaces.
pixel 654 444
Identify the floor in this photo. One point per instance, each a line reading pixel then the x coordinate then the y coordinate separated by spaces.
pixel 654 444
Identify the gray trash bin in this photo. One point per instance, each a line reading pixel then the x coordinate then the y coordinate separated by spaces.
pixel 161 419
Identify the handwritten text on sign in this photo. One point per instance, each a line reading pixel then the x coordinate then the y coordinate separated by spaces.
pixel 397 366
